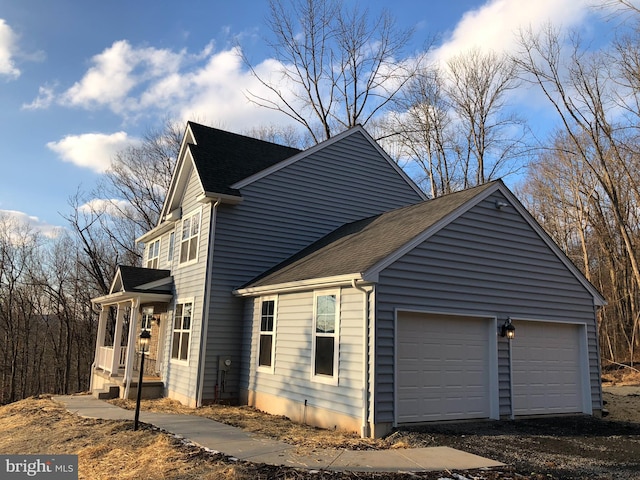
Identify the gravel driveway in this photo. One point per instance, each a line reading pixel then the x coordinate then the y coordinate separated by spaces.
pixel 566 447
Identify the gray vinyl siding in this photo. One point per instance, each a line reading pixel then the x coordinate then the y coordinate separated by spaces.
pixel 291 378
pixel 189 284
pixel 486 262
pixel 279 215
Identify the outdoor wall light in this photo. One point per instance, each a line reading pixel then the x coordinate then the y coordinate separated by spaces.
pixel 508 330
pixel 500 205
pixel 145 335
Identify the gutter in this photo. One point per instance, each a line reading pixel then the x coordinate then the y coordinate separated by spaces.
pixel 365 431
pixel 207 303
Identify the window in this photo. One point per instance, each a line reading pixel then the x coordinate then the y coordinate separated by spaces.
pixel 147 316
pixel 153 254
pixel 267 331
pixel 325 337
pixel 172 239
pixel 189 238
pixel 181 331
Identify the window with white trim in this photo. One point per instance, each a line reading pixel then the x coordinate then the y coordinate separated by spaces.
pixel 266 348
pixel 147 316
pixel 189 238
pixel 325 337
pixel 181 331
pixel 153 254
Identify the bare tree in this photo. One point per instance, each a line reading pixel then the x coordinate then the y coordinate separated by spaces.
pixel 136 183
pixel 595 97
pixel 339 67
pixel 478 86
pixel 423 125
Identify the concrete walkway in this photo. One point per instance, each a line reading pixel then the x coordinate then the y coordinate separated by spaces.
pixel 242 445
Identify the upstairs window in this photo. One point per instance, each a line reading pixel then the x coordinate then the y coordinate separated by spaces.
pixel 181 331
pixel 267 333
pixel 153 254
pixel 189 238
pixel 325 337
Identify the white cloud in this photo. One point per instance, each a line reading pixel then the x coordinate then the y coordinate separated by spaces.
pixel 114 207
pixel 92 150
pixel 135 82
pixel 120 73
pixel 30 223
pixel 494 25
pixel 44 99
pixel 7 51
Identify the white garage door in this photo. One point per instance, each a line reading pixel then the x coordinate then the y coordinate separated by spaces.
pixel 546 368
pixel 442 368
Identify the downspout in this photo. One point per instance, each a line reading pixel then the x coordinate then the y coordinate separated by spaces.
pixel 207 303
pixel 365 431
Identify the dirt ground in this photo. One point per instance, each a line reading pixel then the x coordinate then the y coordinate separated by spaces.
pixel 570 447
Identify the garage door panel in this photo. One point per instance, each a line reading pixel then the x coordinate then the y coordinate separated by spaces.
pixel 546 368
pixel 451 355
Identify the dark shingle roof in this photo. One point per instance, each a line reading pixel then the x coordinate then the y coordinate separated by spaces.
pixel 224 158
pixel 358 246
pixel 133 277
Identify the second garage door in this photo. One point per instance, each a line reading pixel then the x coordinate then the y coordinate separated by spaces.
pixel 443 368
pixel 546 368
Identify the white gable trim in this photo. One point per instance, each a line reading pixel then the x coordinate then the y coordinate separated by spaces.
pixel 178 181
pixel 117 280
pixel 310 151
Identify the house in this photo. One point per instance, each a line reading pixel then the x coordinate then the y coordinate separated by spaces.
pixel 323 285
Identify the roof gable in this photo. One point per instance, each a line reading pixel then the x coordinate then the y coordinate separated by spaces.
pixel 364 248
pixel 357 130
pixel 220 159
pixel 132 279
pixel 359 246
pixel 224 158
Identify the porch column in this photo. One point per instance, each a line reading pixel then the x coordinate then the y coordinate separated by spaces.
pixel 102 330
pixel 117 339
pixel 131 346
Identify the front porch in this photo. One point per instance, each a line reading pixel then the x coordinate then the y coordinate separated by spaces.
pixel 137 301
pixel 107 387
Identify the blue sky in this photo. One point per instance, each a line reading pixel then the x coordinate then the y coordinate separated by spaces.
pixel 81 79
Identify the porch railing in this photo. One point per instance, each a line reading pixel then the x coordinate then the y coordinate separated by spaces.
pixel 105 357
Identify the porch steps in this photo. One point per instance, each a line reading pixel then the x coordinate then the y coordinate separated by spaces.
pixel 108 393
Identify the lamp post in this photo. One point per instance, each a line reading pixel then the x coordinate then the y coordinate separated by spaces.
pixel 145 335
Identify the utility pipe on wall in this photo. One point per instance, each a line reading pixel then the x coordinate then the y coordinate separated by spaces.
pixel 365 431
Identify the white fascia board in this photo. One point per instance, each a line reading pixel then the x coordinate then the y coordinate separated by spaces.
pixel 301 285
pixel 184 148
pixel 208 197
pixel 375 270
pixel 164 227
pixel 121 297
pixel 156 284
pixel 184 166
pixel 598 299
